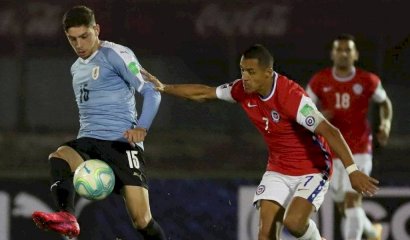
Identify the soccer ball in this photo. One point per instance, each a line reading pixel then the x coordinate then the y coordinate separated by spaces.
pixel 94 179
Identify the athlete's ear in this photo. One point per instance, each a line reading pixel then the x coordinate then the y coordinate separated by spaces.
pixel 97 29
pixel 356 56
pixel 269 72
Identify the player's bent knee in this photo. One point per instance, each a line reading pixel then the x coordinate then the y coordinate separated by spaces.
pixel 62 152
pixel 295 225
pixel 69 155
pixel 142 221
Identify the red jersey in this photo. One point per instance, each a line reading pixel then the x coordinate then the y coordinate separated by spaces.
pixel 346 102
pixel 286 119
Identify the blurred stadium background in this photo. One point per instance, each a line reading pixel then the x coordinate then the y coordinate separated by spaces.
pixel 202 158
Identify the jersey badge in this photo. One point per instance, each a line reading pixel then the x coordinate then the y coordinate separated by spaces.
pixel 357 89
pixel 275 116
pixel 95 72
pixel 260 189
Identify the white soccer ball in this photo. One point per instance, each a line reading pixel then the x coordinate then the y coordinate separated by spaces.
pixel 94 179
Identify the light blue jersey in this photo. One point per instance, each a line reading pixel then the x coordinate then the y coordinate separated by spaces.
pixel 104 86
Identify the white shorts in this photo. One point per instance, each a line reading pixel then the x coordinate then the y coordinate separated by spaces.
pixel 340 183
pixel 282 188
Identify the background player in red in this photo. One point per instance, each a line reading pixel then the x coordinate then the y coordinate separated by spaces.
pixel 299 165
pixel 343 94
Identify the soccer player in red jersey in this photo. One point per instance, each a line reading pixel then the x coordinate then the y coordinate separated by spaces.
pixel 299 165
pixel 343 94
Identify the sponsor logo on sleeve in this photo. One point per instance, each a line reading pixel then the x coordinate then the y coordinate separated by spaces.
pixel 306 110
pixel 132 66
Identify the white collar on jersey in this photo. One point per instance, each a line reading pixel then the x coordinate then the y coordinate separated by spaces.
pixel 275 78
pixel 86 61
pixel 344 79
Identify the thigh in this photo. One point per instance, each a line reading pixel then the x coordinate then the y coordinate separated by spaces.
pixel 270 218
pixel 299 210
pixel 126 161
pixel 312 188
pixel 74 152
pixel 274 187
pixel 137 203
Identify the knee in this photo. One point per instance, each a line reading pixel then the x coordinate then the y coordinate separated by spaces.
pixel 59 153
pixel 141 222
pixel 295 225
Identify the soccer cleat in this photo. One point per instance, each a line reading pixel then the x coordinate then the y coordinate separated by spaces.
pixel 379 230
pixel 61 222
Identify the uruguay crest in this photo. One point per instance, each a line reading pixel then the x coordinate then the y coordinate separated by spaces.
pixel 95 72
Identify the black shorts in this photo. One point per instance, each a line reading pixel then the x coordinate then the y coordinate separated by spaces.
pixel 126 161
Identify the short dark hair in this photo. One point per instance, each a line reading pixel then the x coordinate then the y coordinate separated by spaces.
pixel 78 16
pixel 345 37
pixel 261 53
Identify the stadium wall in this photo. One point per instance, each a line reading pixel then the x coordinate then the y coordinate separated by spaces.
pixel 219 209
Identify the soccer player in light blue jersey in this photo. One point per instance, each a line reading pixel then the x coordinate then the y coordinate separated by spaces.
pixel 105 78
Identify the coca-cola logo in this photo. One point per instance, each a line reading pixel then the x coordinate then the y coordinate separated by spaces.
pixel 263 19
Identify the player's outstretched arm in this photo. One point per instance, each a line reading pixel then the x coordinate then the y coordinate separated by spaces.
pixel 362 183
pixel 196 92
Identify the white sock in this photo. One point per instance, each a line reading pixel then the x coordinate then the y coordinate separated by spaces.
pixel 368 228
pixel 354 224
pixel 312 233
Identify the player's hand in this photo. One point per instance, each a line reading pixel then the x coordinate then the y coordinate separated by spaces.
pixel 135 135
pixel 159 86
pixel 383 134
pixel 363 184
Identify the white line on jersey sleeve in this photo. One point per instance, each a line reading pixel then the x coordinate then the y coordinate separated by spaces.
pixel 379 94
pixel 312 95
pixel 130 61
pixel 223 92
pixel 308 115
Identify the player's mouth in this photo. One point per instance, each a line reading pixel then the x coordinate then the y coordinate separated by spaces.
pixel 81 53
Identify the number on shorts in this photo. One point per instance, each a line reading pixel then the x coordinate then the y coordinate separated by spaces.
pixel 133 159
pixel 308 180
